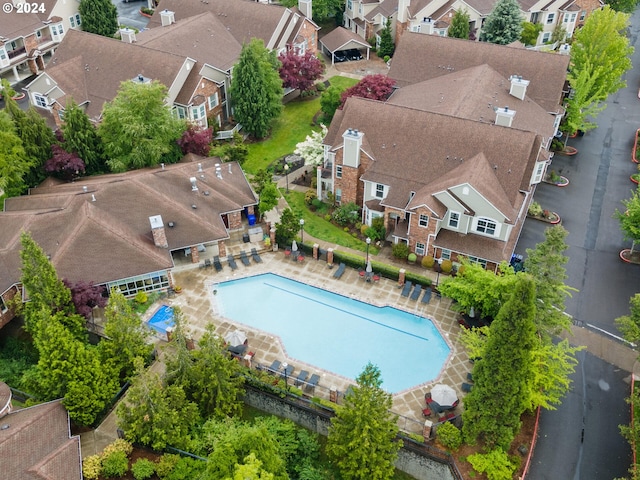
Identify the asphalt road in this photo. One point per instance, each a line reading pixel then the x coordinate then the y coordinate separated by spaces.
pixel 580 440
pixel 129 13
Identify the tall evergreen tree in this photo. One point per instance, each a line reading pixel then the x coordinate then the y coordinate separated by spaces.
pixel 14 163
pixel 362 436
pixel 256 89
pixel 99 16
pixel 137 129
pixel 81 137
pixel 387 46
pixel 504 24
pixel 459 27
pixel 501 377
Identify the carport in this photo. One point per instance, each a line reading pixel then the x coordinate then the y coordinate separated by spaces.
pixel 342 39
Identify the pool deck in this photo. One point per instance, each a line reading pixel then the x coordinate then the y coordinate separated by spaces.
pixel 197 303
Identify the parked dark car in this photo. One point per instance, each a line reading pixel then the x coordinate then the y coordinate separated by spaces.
pixel 340 56
pixel 354 54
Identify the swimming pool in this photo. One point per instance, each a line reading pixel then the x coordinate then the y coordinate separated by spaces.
pixel 336 333
pixel 162 319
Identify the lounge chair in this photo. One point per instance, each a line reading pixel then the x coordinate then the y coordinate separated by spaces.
pixel 313 381
pixel 466 387
pixel 426 298
pixel 275 367
pixel 244 258
pixel 470 376
pixel 207 262
pixel 256 257
pixel 301 378
pixel 416 292
pixel 338 273
pixel 216 263
pixel 286 373
pixel 231 261
pixel 237 351
pixel 407 288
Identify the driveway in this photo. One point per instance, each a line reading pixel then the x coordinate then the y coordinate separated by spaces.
pixel 129 13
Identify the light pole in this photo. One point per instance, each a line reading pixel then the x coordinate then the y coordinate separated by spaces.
pixel 368 243
pixel 285 365
pixel 286 173
pixel 301 230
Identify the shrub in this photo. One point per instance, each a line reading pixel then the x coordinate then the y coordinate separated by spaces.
pixel 316 203
pixel 346 229
pixel 535 209
pixel 358 226
pixel 143 469
pixel 496 464
pixel 314 182
pixel 412 257
pixel 119 445
pixel 327 217
pixel 321 87
pixel 428 261
pixel 372 233
pixel 166 464
pixel 310 196
pixel 92 467
pixel 449 436
pixel 347 214
pixel 400 250
pixel 447 266
pixel 141 298
pixel 386 58
pixel 363 229
pixel 115 464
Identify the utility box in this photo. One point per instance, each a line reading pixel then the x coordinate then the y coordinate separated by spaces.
pixel 256 234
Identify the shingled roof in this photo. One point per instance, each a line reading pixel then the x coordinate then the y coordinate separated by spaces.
pixel 110 238
pixel 420 57
pixel 37 444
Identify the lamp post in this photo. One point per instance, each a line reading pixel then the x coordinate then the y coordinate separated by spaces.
pixel 286 173
pixel 301 230
pixel 368 243
pixel 285 365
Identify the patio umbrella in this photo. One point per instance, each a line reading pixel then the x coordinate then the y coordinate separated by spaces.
pixel 369 269
pixel 235 338
pixel 444 395
pixel 294 246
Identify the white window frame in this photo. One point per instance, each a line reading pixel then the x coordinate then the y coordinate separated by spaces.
pixel 338 171
pixel 3 306
pixel 486 228
pixel 179 112
pixel 583 15
pixel 420 248
pixel 478 261
pixel 379 192
pixel 423 220
pixel 454 219
pixel 213 104
pixel 40 101
pixel 338 195
pixel 57 32
pixel 4 57
pixel 550 18
pixel 198 112
pixel 350 5
pixel 546 37
pixel 75 20
pixel 537 177
pixel 445 254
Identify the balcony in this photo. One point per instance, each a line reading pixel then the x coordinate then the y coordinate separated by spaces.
pixel 16 52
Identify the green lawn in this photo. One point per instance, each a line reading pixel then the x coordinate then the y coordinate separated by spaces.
pixel 291 128
pixel 319 228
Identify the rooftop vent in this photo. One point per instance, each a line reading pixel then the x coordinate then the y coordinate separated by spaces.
pixel 85 189
pixel 504 116
pixel 141 79
pixel 518 86
pixel 230 169
pixel 218 171
pixel 127 35
pixel 93 197
pixel 167 17
pixel 194 187
pixel 199 168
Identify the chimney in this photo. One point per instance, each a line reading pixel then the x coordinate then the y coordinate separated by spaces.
pixel 305 7
pixel 504 116
pixel 128 35
pixel 352 144
pixel 167 17
pixel 518 86
pixel 194 187
pixel 157 230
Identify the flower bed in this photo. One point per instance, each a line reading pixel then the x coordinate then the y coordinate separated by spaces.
pixel 635 153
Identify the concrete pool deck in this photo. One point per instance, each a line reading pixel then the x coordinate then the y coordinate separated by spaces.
pixel 196 302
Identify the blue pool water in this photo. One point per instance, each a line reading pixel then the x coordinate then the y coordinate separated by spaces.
pixel 337 333
pixel 162 319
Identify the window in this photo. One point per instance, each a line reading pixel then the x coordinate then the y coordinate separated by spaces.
pixel 535 17
pixel 486 226
pixel 454 219
pixel 143 283
pixel 446 254
pixel 379 190
pixel 75 20
pixel 338 195
pixel 479 261
pixel 546 37
pixel 213 101
pixel 550 18
pixel 57 32
pixel 198 112
pixel 360 8
pixel 569 18
pixel 583 14
pixel 3 306
pixel 40 100
pixel 539 170
pixel 61 115
pixel 4 58
pixel 423 220
pixel 338 171
pixel 179 112
pixel 420 247
pixel 349 4
pixel 39 34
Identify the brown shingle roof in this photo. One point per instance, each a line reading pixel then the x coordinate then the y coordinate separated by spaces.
pixel 386 9
pixel 19 25
pixel 38 444
pixel 340 37
pixel 474 93
pixel 421 57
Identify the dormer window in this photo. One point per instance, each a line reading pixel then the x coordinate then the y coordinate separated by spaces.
pixel 454 219
pixel 379 190
pixel 40 100
pixel 486 226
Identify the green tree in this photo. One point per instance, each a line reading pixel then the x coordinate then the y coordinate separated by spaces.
pixel 600 56
pixel 137 129
pixel 99 16
pixel 322 9
pixel 261 179
pixel 45 290
pixel 236 150
pixel 387 46
pixel 630 218
pixel 81 137
pixel 256 88
pixel 504 24
pixel 459 27
pixel 493 408
pixel 362 436
pixel 629 325
pixel 330 100
pixel 530 33
pixel 545 263
pixel 154 414
pixel 127 338
pixel 626 6
pixel 288 227
pixel 269 197
pixel 14 163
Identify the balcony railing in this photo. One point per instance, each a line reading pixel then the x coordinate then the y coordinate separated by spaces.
pixel 226 134
pixel 16 52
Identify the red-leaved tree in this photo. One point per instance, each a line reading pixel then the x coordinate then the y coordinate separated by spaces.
pixel 300 71
pixel 196 140
pixel 63 164
pixel 375 87
pixel 85 296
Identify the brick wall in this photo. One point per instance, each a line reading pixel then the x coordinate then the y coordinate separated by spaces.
pixel 352 187
pixel 206 88
pixel 235 220
pixel 6 317
pixel 418 233
pixel 590 6
pixel 308 31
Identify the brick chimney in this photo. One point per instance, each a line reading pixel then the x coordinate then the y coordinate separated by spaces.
pixel 352 144
pixel 157 230
pixel 518 86
pixel 504 116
